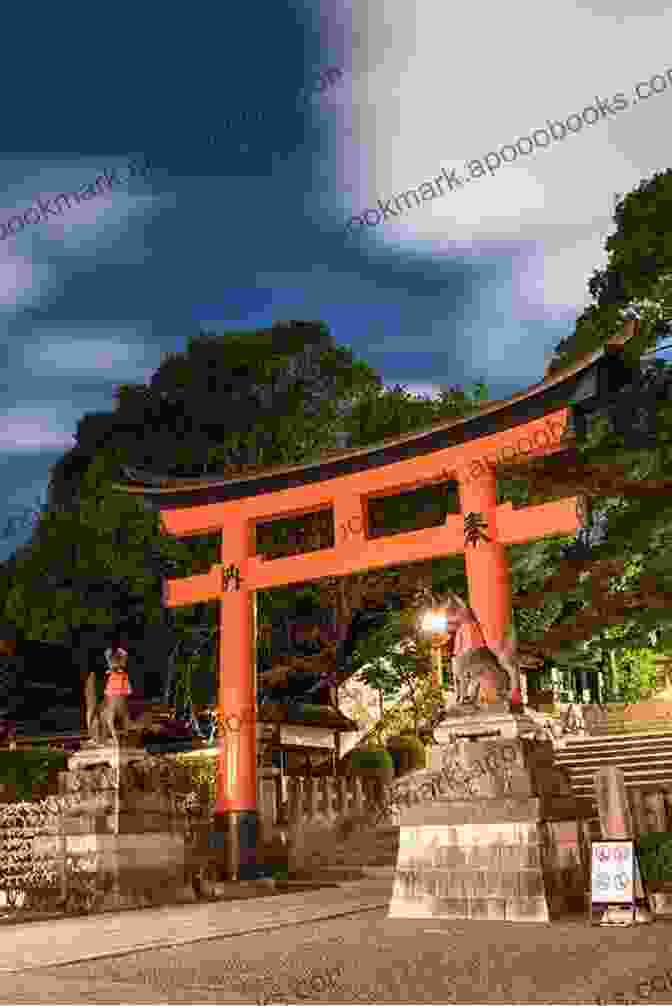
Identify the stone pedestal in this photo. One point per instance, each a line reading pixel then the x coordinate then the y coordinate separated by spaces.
pixel 124 836
pixel 495 722
pixel 489 830
pixel 112 755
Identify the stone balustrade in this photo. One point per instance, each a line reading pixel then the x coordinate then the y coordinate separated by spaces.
pixel 330 799
pixel 322 812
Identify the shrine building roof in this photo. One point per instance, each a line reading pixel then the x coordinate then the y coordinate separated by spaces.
pixel 300 714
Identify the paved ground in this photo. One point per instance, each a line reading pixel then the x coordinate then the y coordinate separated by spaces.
pixel 350 958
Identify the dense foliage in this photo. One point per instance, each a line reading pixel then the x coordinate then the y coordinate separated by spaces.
pixel 408 753
pixel 31 775
pixel 371 762
pixel 97 559
pixel 396 658
pixel 655 857
pixel 638 273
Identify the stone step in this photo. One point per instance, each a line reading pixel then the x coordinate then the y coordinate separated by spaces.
pixel 607 750
pixel 645 758
pixel 587 789
pixel 620 738
pixel 656 769
pixel 643 737
pixel 640 751
pixel 639 766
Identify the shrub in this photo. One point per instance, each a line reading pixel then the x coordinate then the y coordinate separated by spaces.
pixel 408 753
pixel 31 775
pixel 655 857
pixel 202 769
pixel 374 763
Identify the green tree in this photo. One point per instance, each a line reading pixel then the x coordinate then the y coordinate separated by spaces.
pixel 97 558
pixel 617 592
pixel 638 273
pixel 636 673
pixel 397 658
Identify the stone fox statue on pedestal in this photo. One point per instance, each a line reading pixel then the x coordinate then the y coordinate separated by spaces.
pixel 102 717
pixel 483 678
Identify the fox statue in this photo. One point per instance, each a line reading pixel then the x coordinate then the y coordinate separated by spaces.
pixel 483 677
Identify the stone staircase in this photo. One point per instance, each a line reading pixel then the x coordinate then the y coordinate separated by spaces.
pixel 645 758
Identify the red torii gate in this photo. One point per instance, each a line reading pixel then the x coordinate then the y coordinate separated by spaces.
pixel 482 531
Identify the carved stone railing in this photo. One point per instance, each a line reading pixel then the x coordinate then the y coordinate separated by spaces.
pixel 329 800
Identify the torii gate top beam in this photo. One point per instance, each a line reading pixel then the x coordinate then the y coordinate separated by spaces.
pixel 575 387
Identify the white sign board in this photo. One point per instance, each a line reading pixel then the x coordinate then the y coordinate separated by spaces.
pixel 615 876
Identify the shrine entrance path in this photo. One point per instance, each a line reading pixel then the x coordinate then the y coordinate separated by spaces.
pixel 356 957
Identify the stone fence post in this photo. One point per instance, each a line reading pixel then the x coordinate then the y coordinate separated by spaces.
pixel 62 841
pixel 341 796
pixel 613 804
pixel 330 812
pixel 357 796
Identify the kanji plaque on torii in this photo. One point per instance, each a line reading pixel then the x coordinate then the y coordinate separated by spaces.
pixel 467 451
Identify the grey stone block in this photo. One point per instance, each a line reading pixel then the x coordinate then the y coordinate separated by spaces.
pixel 453 908
pixel 488 908
pixel 452 884
pixel 511 856
pixel 527 910
pixel 478 883
pixel 482 855
pixel 530 884
pixel 461 812
pixel 530 856
pixel 452 856
pixel 527 832
pixel 507 885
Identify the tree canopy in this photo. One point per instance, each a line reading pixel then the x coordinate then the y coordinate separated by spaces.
pixel 96 560
pixel 638 275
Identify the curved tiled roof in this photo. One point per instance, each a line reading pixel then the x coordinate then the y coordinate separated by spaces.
pixel 554 392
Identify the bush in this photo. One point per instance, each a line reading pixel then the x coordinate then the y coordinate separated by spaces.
pixel 374 763
pixel 655 857
pixel 31 775
pixel 202 769
pixel 407 752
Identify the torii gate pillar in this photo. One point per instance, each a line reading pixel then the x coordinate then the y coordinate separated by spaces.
pixel 486 563
pixel 236 806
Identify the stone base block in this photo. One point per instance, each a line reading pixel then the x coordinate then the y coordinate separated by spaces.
pixel 128 870
pixel 527 910
pixel 489 831
pixel 106 754
pixel 495 722
pixel 661 902
pixel 488 908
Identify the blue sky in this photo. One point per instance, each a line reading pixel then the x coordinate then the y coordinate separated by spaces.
pixel 241 221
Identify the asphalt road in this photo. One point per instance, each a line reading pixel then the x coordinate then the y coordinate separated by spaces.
pixel 367 958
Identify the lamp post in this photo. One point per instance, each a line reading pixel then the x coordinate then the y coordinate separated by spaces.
pixel 435 623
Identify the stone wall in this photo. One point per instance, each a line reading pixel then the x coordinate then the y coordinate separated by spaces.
pixel 128 835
